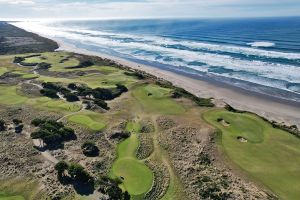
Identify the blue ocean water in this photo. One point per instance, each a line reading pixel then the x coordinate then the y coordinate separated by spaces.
pixel 251 53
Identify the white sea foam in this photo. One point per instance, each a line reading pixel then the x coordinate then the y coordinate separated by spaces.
pixel 261 44
pixel 255 71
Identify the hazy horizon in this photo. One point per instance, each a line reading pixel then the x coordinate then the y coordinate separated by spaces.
pixel 145 9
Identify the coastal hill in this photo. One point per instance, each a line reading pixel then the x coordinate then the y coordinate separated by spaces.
pixel 14 41
pixel 78 127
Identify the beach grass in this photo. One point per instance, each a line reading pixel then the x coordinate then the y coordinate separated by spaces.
pixel 90 120
pixel 19 189
pixel 269 156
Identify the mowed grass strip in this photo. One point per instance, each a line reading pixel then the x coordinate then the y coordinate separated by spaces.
pixel 133 127
pixel 136 176
pixel 270 156
pixel 156 99
pixel 89 121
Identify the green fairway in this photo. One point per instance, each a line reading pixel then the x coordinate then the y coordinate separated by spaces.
pixel 136 176
pixel 91 121
pixel 9 95
pixel 26 75
pixel 133 127
pixel 270 156
pixel 45 103
pixel 155 99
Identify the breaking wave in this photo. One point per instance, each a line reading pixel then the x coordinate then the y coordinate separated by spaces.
pixel 260 66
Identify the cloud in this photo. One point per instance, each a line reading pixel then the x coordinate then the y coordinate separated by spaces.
pixel 17 2
pixel 146 8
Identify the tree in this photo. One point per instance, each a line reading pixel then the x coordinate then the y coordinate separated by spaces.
pixel 61 167
pixel 101 104
pixel 2 125
pixel 44 65
pixel 37 122
pixel 71 97
pixel 52 132
pixel 49 93
pixel 122 88
pixel 19 128
pixel 72 86
pixel 17 121
pixel 67 133
pixel 78 173
pixel 90 149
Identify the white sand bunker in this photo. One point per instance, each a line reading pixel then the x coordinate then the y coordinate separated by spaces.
pixel 242 139
pixel 223 122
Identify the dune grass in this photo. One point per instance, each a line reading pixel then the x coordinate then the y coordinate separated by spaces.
pixel 270 156
pixel 92 121
pixel 9 95
pixel 19 189
pixel 137 177
pixel 155 99
pixel 4 196
pixel 3 70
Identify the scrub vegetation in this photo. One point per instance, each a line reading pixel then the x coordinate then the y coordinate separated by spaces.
pixel 83 127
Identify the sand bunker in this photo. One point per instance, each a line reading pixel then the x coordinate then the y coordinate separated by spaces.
pixel 242 139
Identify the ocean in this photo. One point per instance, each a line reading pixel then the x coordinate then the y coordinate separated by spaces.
pixel 260 55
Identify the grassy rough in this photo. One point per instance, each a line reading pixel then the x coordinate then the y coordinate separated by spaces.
pixel 270 156
pixel 9 95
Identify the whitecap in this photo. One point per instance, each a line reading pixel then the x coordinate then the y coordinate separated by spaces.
pixel 261 44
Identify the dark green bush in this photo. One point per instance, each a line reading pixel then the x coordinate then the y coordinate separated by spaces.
pixel 90 149
pixel 78 173
pixel 52 133
pixel 61 167
pixel 2 125
pixel 101 104
pixel 71 97
pixel 49 93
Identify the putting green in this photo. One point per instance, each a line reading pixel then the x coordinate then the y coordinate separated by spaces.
pixel 88 121
pixel 136 176
pixel 270 156
pixel 155 99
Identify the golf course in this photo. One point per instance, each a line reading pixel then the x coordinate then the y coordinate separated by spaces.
pixel 269 156
pixel 136 177
pixel 145 138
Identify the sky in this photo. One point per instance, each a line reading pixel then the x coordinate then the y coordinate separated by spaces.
pixel 103 9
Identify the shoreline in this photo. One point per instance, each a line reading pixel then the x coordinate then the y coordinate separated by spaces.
pixel 270 107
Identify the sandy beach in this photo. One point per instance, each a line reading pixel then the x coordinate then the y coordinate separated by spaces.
pixel 263 105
